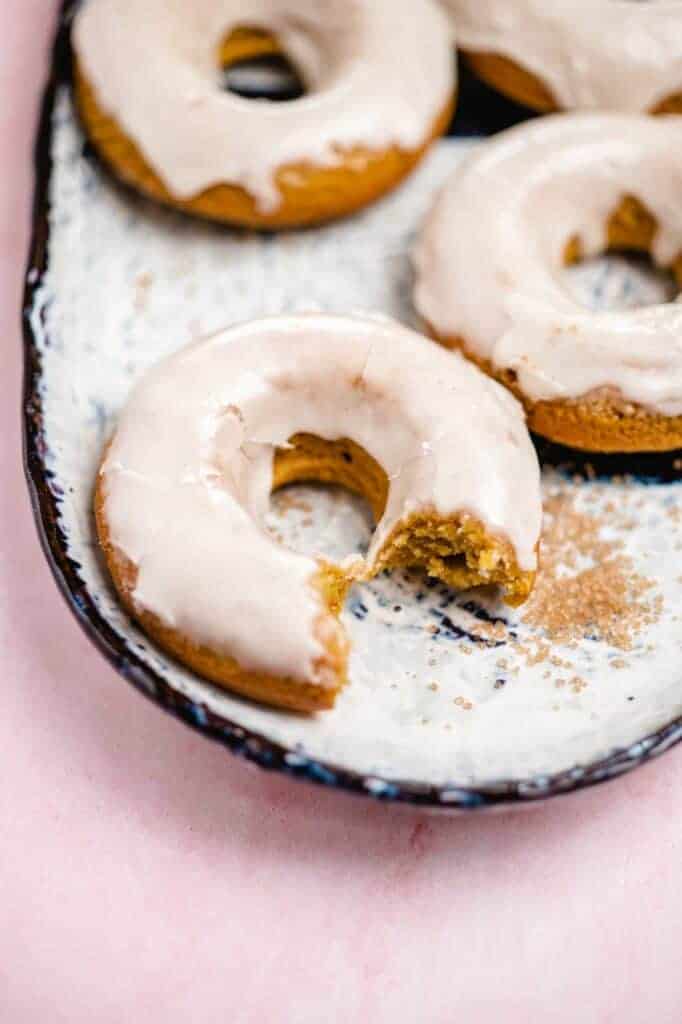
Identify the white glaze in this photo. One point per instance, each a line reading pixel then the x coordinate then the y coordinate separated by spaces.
pixel 378 73
pixel 123 290
pixel 600 54
pixel 490 255
pixel 189 472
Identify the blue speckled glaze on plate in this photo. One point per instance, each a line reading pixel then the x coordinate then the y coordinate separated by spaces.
pixel 442 710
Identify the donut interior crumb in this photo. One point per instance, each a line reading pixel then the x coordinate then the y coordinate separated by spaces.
pixel 456 549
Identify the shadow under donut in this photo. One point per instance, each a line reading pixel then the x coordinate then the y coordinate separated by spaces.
pixel 647 467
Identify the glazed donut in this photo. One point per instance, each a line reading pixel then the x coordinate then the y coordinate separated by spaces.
pixel 488 268
pixel 440 451
pixel 380 79
pixel 576 54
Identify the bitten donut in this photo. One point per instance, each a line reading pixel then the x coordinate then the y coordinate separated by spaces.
pixel 488 274
pixel 380 82
pixel 440 451
pixel 576 54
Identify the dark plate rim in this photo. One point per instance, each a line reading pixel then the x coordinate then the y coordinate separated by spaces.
pixel 245 743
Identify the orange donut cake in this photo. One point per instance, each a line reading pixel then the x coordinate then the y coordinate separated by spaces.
pixel 441 452
pixel 576 54
pixel 489 262
pixel 380 84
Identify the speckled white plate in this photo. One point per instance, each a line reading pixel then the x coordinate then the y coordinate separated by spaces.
pixel 450 701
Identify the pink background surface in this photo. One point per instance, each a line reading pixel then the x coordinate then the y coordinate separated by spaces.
pixel 147 875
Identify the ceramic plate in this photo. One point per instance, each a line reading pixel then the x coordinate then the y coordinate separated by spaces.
pixel 454 700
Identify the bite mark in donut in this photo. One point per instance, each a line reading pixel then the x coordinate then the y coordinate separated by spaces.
pixel 178 507
pixel 580 382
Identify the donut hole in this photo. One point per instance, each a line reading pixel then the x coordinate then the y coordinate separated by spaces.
pixel 321 520
pixel 620 280
pixel 625 275
pixel 327 496
pixel 254 66
pixel 343 463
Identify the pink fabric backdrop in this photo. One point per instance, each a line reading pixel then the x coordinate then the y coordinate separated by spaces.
pixel 146 875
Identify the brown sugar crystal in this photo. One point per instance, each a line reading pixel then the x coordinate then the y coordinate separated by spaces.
pixel 587 586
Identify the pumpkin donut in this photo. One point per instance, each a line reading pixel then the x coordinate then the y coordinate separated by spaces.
pixel 488 267
pixel 440 451
pixel 380 84
pixel 576 54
